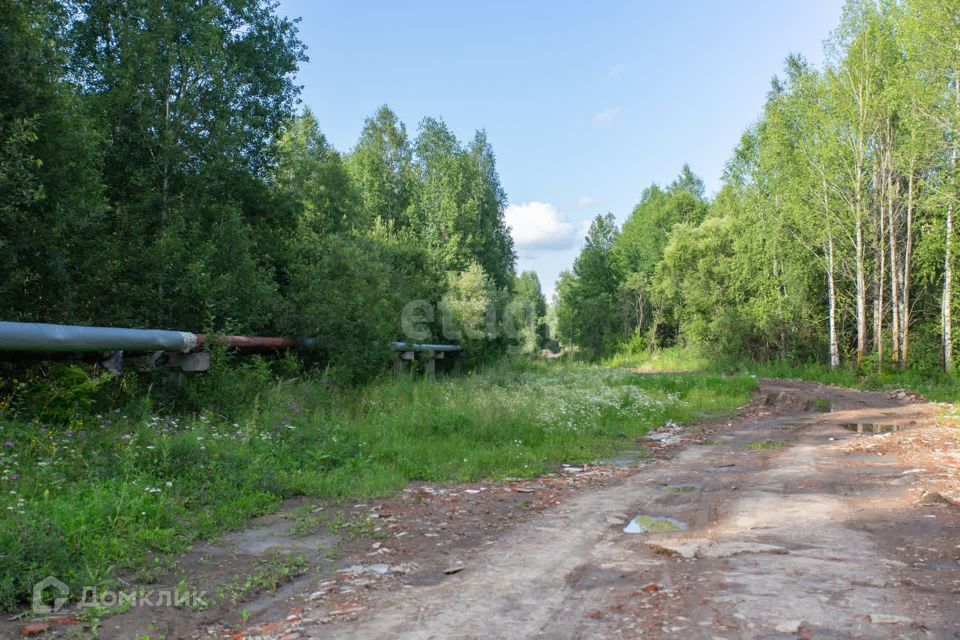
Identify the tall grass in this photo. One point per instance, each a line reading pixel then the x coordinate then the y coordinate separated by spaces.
pixel 100 494
pixel 931 383
pixel 671 359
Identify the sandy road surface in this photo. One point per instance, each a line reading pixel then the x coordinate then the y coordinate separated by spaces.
pixel 807 539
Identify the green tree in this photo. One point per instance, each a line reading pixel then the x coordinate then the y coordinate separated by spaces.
pixel 341 297
pixel 193 95
pixel 639 247
pixel 310 173
pixel 587 297
pixel 491 242
pixel 56 252
pixel 381 166
pixel 462 202
pixel 688 181
pixel 931 39
pixel 528 312
pixel 471 311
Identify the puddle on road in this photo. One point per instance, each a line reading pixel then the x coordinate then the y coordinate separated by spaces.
pixel 681 488
pixel 869 427
pixel 626 459
pixel 274 537
pixel 654 524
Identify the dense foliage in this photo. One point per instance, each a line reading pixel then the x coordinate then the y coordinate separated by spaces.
pixel 155 171
pixel 831 238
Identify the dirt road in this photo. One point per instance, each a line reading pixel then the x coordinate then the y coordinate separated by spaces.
pixel 817 512
pixel 793 527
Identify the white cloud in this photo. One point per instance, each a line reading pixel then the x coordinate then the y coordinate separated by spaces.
pixel 586 201
pixel 538 225
pixel 616 70
pixel 606 117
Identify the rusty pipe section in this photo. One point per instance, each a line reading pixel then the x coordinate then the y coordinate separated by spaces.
pixel 252 342
pixel 35 336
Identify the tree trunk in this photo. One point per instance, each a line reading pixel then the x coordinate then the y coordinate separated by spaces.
pixel 654 325
pixel 888 203
pixel 831 285
pixel 894 277
pixel 640 305
pixel 778 274
pixel 878 303
pixel 946 302
pixel 905 298
pixel 832 301
pixel 164 147
pixel 861 295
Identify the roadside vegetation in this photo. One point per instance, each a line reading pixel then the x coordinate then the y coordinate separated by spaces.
pixel 931 383
pixel 828 251
pixel 100 482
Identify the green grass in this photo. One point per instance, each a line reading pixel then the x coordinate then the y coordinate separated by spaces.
pixel 762 445
pixel 822 405
pixel 270 574
pixel 673 359
pixel 932 384
pixel 103 496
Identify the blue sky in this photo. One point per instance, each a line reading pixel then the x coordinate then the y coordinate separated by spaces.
pixel 585 104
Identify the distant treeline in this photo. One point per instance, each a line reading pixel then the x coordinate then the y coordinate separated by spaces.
pixel 832 237
pixel 154 171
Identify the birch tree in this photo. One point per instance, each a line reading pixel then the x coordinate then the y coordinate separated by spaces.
pixel 932 43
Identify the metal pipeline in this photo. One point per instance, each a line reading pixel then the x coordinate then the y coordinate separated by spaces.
pixel 34 336
pixel 253 342
pixel 418 346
